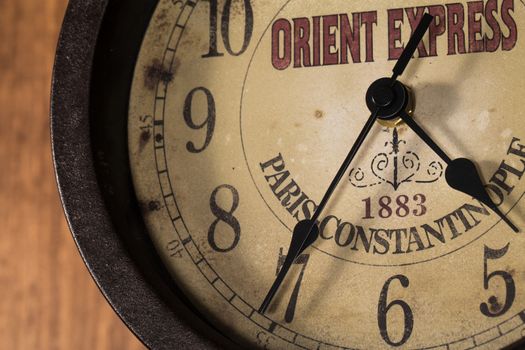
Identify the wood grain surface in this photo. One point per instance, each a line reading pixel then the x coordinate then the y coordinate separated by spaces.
pixel 47 297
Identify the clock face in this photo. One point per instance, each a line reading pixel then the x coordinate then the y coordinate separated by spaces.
pixel 241 113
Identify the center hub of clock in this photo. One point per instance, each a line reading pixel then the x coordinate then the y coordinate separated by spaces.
pixel 389 98
pixel 383 96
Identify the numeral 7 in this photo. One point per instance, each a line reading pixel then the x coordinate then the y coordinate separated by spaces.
pixel 301 260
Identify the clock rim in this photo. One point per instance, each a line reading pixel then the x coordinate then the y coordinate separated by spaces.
pixel 152 308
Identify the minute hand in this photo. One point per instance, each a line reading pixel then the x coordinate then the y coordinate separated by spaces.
pixel 303 232
pixel 306 232
pixel 461 174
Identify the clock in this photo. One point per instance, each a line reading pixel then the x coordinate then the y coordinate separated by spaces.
pixel 292 174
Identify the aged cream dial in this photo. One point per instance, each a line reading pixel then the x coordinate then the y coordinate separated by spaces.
pixel 240 113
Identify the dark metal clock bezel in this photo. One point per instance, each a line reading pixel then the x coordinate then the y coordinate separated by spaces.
pixel 94 180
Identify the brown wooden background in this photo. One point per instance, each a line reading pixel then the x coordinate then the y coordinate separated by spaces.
pixel 47 298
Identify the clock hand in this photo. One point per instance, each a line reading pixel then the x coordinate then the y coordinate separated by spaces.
pixel 425 137
pixel 461 174
pixel 411 47
pixel 306 232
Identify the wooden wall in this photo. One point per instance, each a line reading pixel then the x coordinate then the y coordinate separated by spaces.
pixel 47 298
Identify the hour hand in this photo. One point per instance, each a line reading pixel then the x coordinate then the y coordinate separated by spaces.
pixel 461 174
pixel 424 136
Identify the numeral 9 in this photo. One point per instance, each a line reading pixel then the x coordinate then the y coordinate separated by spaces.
pixel 208 123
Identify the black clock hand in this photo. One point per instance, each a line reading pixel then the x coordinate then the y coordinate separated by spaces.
pixel 461 174
pixel 411 47
pixel 425 137
pixel 306 232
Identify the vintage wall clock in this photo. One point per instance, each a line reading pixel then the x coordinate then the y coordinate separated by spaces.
pixel 198 148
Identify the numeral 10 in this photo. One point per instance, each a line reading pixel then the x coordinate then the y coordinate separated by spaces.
pixel 225 28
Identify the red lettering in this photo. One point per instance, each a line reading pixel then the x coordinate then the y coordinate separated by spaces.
pixel 281 26
pixel 350 38
pixel 394 33
pixel 413 19
pixel 317 41
pixel 509 41
pixel 492 44
pixel 474 26
pixel 368 19
pixel 437 27
pixel 302 42
pixel 456 21
pixel 329 56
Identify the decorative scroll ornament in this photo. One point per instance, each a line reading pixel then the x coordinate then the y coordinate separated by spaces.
pixel 396 168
